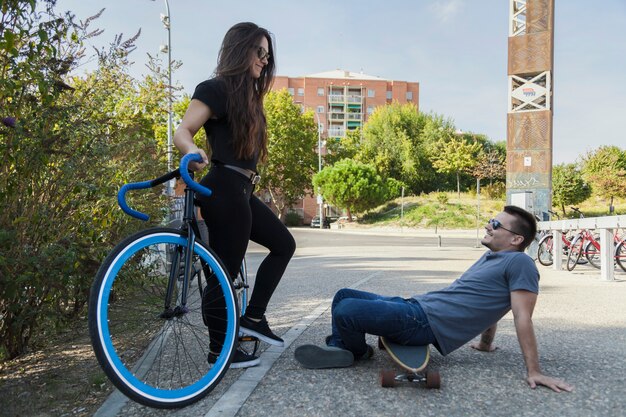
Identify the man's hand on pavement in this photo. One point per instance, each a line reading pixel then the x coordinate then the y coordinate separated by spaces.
pixel 483 347
pixel 554 384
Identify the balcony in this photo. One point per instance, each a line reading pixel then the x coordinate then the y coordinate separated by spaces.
pixel 333 98
pixel 336 132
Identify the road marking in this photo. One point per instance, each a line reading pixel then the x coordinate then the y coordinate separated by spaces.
pixel 234 398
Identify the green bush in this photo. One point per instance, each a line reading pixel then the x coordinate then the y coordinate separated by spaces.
pixel 495 191
pixel 293 219
pixel 442 198
pixel 63 161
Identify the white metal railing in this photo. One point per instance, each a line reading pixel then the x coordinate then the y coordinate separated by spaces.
pixel 606 228
pixel 354 116
pixel 333 98
pixel 355 99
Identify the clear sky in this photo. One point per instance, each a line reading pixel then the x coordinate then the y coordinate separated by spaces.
pixel 455 49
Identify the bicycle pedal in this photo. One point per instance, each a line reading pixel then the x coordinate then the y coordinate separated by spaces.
pixel 247 338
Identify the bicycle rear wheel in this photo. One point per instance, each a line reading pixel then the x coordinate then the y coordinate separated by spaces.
pixel 620 254
pixel 575 252
pixel 592 254
pixel 154 350
pixel 544 250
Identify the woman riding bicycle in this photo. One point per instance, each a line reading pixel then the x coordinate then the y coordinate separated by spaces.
pixel 230 107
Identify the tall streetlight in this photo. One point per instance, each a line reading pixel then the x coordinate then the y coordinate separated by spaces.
pixel 320 201
pixel 165 18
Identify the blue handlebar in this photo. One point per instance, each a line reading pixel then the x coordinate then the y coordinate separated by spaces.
pixel 184 173
pixel 121 199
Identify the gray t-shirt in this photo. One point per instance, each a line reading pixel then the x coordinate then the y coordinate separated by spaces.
pixel 479 298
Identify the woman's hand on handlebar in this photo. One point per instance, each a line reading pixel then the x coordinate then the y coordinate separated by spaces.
pixel 197 166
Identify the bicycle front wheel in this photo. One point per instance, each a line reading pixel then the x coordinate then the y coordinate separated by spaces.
pixel 146 323
pixel 544 250
pixel 575 252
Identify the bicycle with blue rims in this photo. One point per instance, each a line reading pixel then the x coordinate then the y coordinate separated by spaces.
pixel 146 313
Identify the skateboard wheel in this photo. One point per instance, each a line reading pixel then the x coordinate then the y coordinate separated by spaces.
pixel 433 379
pixel 380 344
pixel 387 379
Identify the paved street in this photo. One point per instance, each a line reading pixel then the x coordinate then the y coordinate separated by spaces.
pixel 580 322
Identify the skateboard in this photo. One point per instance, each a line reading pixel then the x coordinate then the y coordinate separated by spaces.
pixel 413 360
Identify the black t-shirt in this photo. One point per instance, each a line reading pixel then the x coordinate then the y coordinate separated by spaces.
pixel 218 131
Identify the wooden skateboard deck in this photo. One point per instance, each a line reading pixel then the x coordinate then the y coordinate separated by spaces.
pixel 413 359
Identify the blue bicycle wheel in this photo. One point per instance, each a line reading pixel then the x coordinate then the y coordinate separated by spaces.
pixel 147 327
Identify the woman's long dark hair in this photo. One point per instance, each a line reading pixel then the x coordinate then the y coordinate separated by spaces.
pixel 245 94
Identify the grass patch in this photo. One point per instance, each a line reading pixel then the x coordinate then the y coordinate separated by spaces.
pixel 449 211
pixel 432 211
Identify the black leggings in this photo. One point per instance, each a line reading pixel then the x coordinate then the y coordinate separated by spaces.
pixel 234 216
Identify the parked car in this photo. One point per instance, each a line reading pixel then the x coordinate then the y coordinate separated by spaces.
pixel 315 222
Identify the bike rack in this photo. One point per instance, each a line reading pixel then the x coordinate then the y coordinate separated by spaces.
pixel 605 227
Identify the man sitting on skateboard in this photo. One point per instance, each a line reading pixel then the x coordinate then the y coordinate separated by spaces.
pixel 503 279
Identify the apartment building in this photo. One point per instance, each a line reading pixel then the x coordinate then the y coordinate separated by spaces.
pixel 343 100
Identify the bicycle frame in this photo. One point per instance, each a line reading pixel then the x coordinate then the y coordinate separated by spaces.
pixel 189 225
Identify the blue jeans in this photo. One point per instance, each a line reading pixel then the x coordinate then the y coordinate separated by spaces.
pixel 355 313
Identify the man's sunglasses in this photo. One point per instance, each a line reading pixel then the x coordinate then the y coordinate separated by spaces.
pixel 262 54
pixel 495 224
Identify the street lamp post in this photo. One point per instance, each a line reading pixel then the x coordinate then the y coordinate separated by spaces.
pixel 165 18
pixel 320 201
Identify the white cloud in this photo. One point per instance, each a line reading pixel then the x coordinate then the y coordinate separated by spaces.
pixel 445 10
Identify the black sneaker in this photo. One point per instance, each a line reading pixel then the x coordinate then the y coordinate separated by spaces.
pixel 368 354
pixel 240 360
pixel 322 357
pixel 259 329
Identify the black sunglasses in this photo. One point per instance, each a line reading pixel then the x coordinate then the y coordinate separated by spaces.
pixel 495 224
pixel 262 54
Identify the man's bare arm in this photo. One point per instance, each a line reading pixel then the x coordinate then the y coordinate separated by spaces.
pixel 523 305
pixel 486 340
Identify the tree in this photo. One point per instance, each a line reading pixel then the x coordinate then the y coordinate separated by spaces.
pixel 393 144
pixel 605 170
pixel 456 155
pixel 292 159
pixel 351 185
pixel 490 164
pixel 568 186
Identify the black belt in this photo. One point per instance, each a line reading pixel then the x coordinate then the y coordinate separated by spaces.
pixel 252 176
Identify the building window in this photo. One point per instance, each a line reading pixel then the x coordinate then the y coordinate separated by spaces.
pixel 291 91
pixel 320 109
pixel 389 95
pixel 370 109
pixel 320 91
pixel 409 95
pixel 371 93
pixel 300 91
